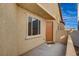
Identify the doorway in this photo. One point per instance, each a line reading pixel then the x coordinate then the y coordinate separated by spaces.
pixel 49 31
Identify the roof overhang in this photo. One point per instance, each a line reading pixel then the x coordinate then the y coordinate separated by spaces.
pixel 36 9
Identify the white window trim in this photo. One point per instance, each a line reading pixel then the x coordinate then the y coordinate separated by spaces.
pixel 32 36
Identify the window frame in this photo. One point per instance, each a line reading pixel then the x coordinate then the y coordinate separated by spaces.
pixel 32 36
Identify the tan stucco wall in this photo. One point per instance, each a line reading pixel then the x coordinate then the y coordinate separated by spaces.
pixel 70 50
pixel 8 29
pixel 29 43
pixel 53 9
pixel 13 30
pixel 61 34
pixel 55 29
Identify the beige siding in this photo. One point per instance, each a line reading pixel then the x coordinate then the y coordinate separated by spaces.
pixel 70 51
pixel 55 29
pixel 13 29
pixel 8 29
pixel 31 42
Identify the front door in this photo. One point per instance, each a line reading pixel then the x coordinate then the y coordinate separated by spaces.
pixel 49 32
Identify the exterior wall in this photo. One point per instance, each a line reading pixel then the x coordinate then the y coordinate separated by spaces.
pixel 26 43
pixel 61 34
pixel 13 29
pixel 8 29
pixel 59 30
pixel 55 29
pixel 70 50
pixel 53 9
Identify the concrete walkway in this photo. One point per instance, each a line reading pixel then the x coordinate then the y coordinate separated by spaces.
pixel 57 49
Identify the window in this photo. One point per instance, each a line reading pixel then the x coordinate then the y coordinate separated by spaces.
pixel 33 26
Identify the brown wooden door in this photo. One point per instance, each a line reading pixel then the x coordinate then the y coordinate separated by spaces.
pixel 49 32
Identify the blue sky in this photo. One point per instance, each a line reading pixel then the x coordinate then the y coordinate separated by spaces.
pixel 69 14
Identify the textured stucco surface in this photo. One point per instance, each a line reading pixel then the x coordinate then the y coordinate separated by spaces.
pixel 25 43
pixel 8 29
pixel 13 30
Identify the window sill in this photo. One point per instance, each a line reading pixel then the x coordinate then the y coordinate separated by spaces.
pixel 32 37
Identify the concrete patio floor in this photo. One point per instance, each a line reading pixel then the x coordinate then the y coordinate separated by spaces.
pixel 57 49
